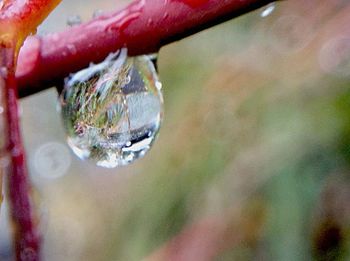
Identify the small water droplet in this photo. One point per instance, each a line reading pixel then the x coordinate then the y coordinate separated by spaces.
pixel 1 109
pixel 97 13
pixel 72 49
pixel 166 15
pixel 112 111
pixel 3 72
pixel 74 20
pixel 267 10
pixel 159 85
pixel 150 22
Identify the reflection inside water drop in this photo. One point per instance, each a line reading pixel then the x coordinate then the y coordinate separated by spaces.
pixel 112 111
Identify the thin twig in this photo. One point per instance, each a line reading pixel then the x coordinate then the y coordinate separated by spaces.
pixel 26 237
pixel 17 20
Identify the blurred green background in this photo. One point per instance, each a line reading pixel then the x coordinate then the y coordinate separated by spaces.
pixel 252 162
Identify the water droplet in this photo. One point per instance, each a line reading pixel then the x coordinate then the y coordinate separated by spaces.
pixel 97 13
pixel 72 49
pixel 74 20
pixel 150 22
pixel 166 15
pixel 159 85
pixel 112 111
pixel 267 10
pixel 1 109
pixel 3 72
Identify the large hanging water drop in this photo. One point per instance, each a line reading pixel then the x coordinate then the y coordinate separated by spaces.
pixel 112 111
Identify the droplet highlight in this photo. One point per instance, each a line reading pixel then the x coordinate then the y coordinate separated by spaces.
pixel 267 10
pixel 112 111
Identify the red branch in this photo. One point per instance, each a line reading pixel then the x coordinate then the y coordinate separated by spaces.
pixel 26 238
pixel 143 27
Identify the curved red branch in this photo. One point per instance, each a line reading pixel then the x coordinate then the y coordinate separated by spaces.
pixel 143 27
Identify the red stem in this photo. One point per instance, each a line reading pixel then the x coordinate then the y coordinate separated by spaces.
pixel 26 237
pixel 143 27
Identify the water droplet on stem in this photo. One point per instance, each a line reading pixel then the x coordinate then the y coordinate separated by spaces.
pixel 72 49
pixel 74 20
pixel 97 13
pixel 112 111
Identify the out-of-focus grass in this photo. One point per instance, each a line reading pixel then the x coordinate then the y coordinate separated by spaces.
pixel 255 139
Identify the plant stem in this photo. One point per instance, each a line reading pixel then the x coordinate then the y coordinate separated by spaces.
pixel 143 27
pixel 26 237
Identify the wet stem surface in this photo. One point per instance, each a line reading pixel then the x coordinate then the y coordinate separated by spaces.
pixel 26 237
